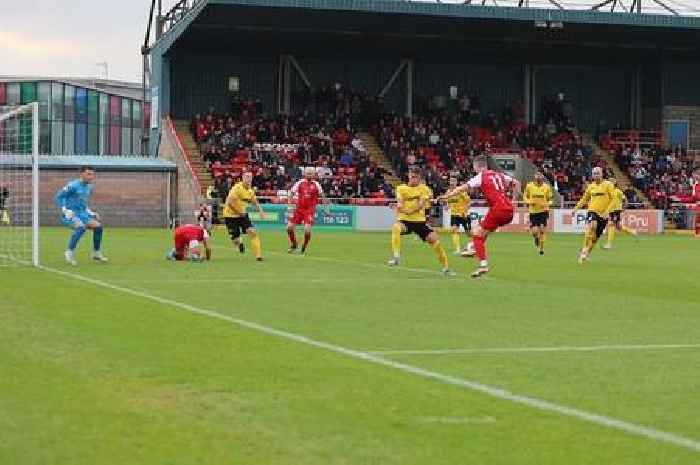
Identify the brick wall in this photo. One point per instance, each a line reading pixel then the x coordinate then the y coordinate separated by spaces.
pixel 122 198
pixel 692 115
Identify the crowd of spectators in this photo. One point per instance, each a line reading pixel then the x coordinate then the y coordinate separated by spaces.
pixel 276 148
pixel 664 175
pixel 442 142
pixel 443 145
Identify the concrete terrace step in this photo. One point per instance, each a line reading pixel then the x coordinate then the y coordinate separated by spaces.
pixel 182 128
pixel 377 155
pixel 623 179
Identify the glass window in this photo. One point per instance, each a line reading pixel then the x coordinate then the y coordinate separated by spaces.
pixel 114 140
pixel 126 126
pixel 81 138
pixel 93 106
pixel 69 138
pixel 93 139
pixel 115 111
pixel 69 103
pixel 44 101
pixel 25 134
pixel 115 134
pixel 126 141
pixel 56 102
pixel 3 93
pixel 136 114
pixel 81 117
pixel 45 138
pixel 136 123
pixel 13 94
pixel 104 124
pixel 93 128
pixel 57 138
pixel 136 141
pixel 81 103
pixel 28 92
pixel 104 139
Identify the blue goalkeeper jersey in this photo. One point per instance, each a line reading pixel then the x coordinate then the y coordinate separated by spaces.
pixel 75 196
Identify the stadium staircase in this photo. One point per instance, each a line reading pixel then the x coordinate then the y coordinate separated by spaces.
pixel 377 156
pixel 623 179
pixel 182 128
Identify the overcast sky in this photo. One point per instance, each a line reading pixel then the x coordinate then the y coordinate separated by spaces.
pixel 68 37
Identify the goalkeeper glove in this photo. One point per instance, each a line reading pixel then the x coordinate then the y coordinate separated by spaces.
pixel 69 214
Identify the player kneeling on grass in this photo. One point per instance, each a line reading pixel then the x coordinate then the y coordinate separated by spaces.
pixel 303 199
pixel 412 201
pixel 188 239
pixel 598 197
pixel 617 206
pixel 73 201
pixel 236 218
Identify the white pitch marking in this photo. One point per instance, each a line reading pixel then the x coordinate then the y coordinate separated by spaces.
pixel 539 404
pixel 459 420
pixel 495 350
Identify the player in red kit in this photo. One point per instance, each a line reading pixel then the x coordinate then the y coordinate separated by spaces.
pixel 304 197
pixel 187 241
pixel 495 187
pixel 696 196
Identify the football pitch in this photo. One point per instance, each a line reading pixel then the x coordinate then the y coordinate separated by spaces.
pixel 334 358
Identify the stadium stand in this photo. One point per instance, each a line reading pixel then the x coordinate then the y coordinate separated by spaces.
pixel 276 148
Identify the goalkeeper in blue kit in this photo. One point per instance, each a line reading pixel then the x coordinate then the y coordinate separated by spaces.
pixel 73 201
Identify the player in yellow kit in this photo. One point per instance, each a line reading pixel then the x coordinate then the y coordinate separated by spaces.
pixel 413 198
pixel 459 215
pixel 617 206
pixel 538 198
pixel 236 218
pixel 598 197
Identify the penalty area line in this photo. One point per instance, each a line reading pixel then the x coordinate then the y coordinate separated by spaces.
pixel 498 393
pixel 498 350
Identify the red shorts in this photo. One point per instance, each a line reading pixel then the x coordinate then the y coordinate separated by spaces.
pixel 494 219
pixel 303 217
pixel 181 244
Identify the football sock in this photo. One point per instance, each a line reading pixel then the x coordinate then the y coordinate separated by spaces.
pixel 543 237
pixel 292 238
pixel 396 239
pixel 455 241
pixel 587 236
pixel 480 247
pixel 75 237
pixel 257 247
pixel 611 235
pixel 440 252
pixel 97 238
pixel 307 239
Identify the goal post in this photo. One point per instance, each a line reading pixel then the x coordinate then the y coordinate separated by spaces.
pixel 19 185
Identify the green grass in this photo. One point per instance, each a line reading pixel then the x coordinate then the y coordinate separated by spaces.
pixel 90 375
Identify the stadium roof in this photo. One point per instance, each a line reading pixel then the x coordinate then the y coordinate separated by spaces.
pixel 647 13
pixel 208 24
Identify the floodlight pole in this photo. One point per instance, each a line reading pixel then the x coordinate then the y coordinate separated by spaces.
pixel 145 51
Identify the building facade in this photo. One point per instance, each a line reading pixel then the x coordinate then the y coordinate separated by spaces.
pixel 82 116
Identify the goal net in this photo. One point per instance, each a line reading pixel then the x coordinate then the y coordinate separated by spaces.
pixel 19 185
